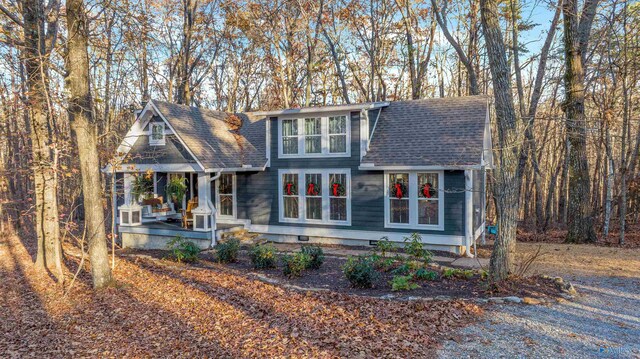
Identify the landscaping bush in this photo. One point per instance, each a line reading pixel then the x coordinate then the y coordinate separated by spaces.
pixel 294 264
pixel 457 273
pixel 403 269
pixel 402 282
pixel 263 256
pixel 360 271
pixel 414 247
pixel 425 274
pixel 183 250
pixel 227 251
pixel 384 246
pixel 316 255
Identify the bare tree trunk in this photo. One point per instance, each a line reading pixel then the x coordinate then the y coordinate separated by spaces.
pixel 580 221
pixel 49 256
pixel 183 88
pixel 81 118
pixel 507 183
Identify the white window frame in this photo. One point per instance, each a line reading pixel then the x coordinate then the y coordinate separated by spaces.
pixel 302 198
pixel 413 202
pixel 155 142
pixel 234 194
pixel 324 126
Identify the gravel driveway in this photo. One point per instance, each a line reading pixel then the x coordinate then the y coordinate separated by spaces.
pixel 603 322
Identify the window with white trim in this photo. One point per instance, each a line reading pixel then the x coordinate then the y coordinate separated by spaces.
pixel 225 195
pixel 156 133
pixel 290 136
pixel 314 136
pixel 414 199
pixel 315 196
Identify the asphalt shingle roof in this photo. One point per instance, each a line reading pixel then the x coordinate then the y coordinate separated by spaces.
pixel 207 134
pixel 430 132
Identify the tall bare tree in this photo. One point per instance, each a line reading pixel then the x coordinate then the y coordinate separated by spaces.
pixel 81 118
pixel 39 39
pixel 576 36
pixel 509 140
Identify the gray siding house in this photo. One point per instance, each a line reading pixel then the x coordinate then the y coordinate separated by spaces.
pixel 344 174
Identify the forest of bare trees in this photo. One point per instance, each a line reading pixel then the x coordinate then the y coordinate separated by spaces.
pixel 564 77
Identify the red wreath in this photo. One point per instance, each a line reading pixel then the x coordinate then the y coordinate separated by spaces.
pixel 336 186
pixel 311 189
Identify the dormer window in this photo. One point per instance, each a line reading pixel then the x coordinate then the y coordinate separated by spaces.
pixel 156 134
pixel 314 136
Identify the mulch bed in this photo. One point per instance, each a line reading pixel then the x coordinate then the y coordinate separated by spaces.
pixel 330 276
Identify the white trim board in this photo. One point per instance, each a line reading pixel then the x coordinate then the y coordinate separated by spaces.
pixel 159 167
pixel 321 109
pixel 442 239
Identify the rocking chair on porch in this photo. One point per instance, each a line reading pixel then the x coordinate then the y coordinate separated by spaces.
pixel 187 216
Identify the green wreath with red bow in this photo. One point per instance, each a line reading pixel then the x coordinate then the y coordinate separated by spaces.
pixel 290 189
pixel 427 190
pixel 399 190
pixel 338 190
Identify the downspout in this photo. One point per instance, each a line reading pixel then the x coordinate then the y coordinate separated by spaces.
pixel 468 208
pixel 214 225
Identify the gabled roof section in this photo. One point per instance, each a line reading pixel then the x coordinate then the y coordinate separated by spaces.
pixel 326 108
pixel 208 135
pixel 442 132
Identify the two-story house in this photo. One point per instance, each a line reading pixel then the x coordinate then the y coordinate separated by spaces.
pixel 344 174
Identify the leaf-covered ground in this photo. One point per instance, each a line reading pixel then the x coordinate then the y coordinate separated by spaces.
pixel 165 310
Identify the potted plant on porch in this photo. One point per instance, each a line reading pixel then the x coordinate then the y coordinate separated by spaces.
pixel 142 187
pixel 176 189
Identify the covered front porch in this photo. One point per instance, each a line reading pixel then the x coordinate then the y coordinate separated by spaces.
pixel 158 203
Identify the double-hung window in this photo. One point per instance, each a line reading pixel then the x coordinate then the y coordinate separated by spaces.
pixel 315 196
pixel 290 136
pixel 314 136
pixel 156 135
pixel 225 195
pixel 414 200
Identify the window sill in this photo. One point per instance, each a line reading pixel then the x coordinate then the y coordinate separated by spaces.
pixel 414 226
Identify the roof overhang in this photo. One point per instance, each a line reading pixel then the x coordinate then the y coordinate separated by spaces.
pixel 244 168
pixel 303 110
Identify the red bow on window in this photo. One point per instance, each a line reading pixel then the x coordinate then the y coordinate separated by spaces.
pixel 311 190
pixel 426 190
pixel 399 193
pixel 289 185
pixel 335 189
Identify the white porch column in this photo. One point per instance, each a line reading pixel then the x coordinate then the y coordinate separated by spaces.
pixel 131 211
pixel 202 220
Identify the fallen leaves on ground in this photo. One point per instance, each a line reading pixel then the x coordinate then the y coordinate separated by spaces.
pixel 168 310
